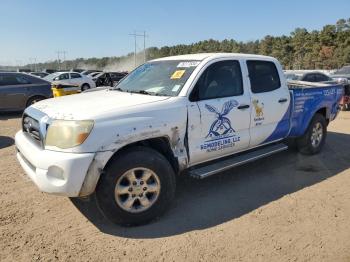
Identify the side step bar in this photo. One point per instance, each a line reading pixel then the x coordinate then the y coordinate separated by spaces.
pixel 227 163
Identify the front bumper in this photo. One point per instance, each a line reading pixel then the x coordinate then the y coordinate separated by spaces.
pixel 53 172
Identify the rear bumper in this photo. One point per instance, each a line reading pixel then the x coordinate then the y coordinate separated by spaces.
pixel 53 172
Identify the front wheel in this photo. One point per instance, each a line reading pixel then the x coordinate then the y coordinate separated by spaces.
pixel 137 187
pixel 315 136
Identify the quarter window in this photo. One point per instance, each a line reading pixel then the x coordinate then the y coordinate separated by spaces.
pixel 6 80
pixel 263 76
pixel 74 75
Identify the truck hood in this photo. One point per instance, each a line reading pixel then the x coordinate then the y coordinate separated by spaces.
pixel 89 105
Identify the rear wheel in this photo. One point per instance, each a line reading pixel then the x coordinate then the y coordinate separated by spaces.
pixel 137 187
pixel 315 136
pixel 85 87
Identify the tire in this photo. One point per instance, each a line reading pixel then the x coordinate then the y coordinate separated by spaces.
pixel 34 99
pixel 313 140
pixel 85 87
pixel 140 161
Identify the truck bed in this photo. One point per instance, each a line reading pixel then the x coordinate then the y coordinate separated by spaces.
pixel 293 84
pixel 307 99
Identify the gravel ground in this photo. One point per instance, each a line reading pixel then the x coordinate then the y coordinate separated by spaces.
pixel 287 207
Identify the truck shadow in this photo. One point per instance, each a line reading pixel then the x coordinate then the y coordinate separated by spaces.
pixel 6 141
pixel 201 204
pixel 10 115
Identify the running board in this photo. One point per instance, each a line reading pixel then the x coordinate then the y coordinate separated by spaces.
pixel 222 165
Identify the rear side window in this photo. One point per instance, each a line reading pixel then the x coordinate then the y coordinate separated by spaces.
pixel 75 75
pixel 263 76
pixel 309 78
pixel 321 78
pixel 7 80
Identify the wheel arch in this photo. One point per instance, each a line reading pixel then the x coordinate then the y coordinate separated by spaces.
pixel 159 144
pixel 325 112
pixel 104 159
pixel 34 96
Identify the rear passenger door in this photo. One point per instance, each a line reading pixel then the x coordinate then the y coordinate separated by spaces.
pixel 75 79
pixel 13 91
pixel 270 103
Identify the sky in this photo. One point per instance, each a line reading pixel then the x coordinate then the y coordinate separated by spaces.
pixel 38 28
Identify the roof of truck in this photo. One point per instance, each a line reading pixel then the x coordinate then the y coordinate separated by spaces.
pixel 202 56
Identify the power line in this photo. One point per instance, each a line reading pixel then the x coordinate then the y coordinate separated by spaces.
pixel 135 35
pixel 59 60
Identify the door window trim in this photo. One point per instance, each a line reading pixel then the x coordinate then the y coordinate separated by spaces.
pixel 204 68
pixel 265 61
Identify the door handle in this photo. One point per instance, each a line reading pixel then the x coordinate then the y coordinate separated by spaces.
pixel 243 107
pixel 282 100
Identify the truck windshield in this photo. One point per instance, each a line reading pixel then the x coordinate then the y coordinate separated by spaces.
pixel 164 78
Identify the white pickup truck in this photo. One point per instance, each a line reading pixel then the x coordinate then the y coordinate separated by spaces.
pixel 194 114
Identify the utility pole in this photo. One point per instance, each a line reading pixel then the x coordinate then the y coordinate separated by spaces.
pixel 32 61
pixel 64 59
pixel 58 60
pixel 135 35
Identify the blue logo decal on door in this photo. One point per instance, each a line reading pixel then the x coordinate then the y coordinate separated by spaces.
pixel 221 134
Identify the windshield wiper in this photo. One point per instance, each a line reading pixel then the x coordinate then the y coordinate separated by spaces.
pixel 143 92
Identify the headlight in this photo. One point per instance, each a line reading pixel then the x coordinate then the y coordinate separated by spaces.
pixel 68 133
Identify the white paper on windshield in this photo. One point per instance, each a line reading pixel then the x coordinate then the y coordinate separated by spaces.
pixel 176 88
pixel 188 64
pixel 155 89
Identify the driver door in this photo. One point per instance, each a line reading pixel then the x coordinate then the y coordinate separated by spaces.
pixel 219 113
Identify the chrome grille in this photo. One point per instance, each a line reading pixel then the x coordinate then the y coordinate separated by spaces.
pixel 31 127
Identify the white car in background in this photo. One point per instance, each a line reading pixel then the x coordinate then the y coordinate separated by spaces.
pixel 93 74
pixel 71 78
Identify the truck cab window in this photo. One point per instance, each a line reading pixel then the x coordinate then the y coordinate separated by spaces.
pixel 263 76
pixel 221 79
pixel 309 78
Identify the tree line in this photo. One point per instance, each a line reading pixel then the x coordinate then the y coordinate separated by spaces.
pixel 328 48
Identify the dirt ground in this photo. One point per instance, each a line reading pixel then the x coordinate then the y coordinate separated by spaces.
pixel 287 207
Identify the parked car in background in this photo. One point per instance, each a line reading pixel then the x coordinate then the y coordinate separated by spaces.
pixel 23 70
pixel 39 74
pixel 19 90
pixel 86 72
pixel 91 75
pixel 117 76
pixel 71 78
pixel 345 101
pixel 108 78
pixel 343 72
pixel 309 77
pixel 77 70
pixel 49 71
pixel 103 79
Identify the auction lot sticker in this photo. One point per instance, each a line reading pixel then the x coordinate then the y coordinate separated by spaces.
pixel 178 74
